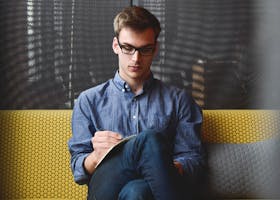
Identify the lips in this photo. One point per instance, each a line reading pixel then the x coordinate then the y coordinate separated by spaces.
pixel 134 68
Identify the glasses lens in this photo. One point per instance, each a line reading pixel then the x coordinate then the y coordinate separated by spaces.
pixel 127 49
pixel 130 50
pixel 147 51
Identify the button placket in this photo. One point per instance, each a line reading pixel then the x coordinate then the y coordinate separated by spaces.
pixel 135 115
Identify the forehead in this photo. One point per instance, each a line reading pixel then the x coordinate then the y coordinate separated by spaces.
pixel 137 38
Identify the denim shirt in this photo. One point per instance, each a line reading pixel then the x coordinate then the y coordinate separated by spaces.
pixel 113 106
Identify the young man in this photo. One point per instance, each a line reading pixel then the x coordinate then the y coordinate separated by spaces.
pixel 166 156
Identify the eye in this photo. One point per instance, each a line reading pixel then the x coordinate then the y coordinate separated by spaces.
pixel 127 48
pixel 147 50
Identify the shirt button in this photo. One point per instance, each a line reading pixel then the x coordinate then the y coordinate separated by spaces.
pixel 123 90
pixel 134 117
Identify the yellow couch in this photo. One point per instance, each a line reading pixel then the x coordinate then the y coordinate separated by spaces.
pixel 35 159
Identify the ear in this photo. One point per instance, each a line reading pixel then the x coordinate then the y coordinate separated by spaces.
pixel 115 46
pixel 156 49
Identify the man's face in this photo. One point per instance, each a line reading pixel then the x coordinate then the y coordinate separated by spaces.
pixel 135 67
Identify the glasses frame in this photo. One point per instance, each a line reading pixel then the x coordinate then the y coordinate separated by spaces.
pixel 141 50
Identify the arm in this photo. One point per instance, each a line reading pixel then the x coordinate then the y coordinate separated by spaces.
pixel 80 142
pixel 189 155
pixel 87 146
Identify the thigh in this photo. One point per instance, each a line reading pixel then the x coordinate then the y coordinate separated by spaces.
pixel 110 177
pixel 136 190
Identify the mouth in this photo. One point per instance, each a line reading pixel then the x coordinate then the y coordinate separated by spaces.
pixel 134 68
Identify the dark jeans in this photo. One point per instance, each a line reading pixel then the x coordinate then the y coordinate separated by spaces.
pixel 141 168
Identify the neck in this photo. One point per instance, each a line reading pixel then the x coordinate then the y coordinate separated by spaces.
pixel 135 84
pixel 136 88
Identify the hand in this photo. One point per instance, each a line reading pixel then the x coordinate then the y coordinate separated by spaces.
pixel 101 142
pixel 179 167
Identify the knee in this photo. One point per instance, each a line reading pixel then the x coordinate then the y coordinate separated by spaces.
pixel 152 146
pixel 157 140
pixel 150 136
pixel 136 190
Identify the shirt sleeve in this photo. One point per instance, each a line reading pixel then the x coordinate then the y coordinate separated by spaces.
pixel 80 143
pixel 188 149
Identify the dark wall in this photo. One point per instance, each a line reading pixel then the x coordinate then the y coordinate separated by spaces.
pixel 224 52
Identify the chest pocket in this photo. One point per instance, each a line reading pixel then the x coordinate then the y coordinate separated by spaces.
pixel 156 122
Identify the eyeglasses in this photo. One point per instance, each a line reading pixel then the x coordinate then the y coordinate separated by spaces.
pixel 130 50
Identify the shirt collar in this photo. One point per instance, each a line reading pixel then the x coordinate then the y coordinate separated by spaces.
pixel 124 87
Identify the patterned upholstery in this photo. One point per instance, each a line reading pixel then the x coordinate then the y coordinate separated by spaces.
pixel 243 153
pixel 35 159
pixel 239 126
pixel 35 162
pixel 248 170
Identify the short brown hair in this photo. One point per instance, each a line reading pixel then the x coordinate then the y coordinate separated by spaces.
pixel 137 18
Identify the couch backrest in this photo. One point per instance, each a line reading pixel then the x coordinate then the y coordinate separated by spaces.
pixel 35 162
pixel 243 149
pixel 240 126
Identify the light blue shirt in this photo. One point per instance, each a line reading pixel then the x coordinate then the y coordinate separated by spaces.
pixel 113 106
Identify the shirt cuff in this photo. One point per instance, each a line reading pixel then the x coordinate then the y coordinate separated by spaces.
pixel 80 175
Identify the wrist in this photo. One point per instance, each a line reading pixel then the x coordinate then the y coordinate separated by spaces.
pixel 90 162
pixel 179 167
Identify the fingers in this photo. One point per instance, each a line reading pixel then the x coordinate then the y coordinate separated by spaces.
pixel 108 134
pixel 105 139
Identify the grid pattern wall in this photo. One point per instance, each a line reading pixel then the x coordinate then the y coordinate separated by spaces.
pixel 51 50
pixel 217 33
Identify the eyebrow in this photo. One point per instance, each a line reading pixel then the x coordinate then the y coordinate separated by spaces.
pixel 145 46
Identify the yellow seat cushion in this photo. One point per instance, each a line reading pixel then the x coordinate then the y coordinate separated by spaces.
pixel 35 162
pixel 239 126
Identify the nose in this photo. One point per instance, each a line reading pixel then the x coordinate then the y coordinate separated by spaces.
pixel 136 56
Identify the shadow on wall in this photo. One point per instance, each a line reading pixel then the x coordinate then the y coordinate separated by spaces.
pixel 266 48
